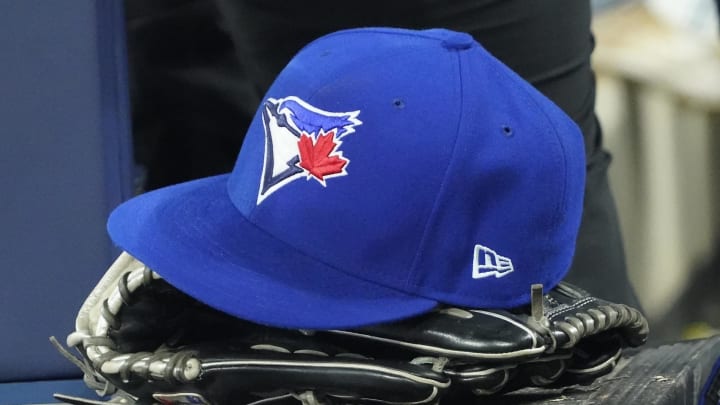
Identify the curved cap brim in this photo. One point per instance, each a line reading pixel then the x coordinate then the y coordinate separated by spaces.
pixel 195 238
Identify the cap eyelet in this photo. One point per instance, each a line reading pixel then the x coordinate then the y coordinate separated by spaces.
pixel 399 103
pixel 507 131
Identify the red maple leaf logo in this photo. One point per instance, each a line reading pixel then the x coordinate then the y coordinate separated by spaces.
pixel 319 158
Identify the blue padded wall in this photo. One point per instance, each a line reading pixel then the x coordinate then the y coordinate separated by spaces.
pixel 65 162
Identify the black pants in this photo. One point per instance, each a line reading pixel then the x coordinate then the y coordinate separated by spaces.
pixel 547 42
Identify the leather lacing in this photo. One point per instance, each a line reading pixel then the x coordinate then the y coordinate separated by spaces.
pixel 589 322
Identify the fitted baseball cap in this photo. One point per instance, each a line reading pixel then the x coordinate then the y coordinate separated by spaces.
pixel 386 171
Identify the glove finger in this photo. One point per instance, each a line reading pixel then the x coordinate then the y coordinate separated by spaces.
pixel 481 380
pixel 491 336
pixel 223 379
pixel 573 315
pixel 594 356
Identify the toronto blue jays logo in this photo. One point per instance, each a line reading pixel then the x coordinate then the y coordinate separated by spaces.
pixel 302 141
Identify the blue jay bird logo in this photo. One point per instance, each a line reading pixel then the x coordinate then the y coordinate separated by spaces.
pixel 302 141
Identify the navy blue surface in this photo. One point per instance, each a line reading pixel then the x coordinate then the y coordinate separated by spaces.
pixel 65 162
pixel 41 392
pixel 711 391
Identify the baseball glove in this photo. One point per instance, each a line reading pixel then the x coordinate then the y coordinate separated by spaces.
pixel 142 341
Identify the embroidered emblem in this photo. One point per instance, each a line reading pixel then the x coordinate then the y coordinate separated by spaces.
pixel 488 263
pixel 302 141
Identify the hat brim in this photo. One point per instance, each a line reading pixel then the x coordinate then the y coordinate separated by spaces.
pixel 195 238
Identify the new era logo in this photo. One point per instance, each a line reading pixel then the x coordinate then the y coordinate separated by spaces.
pixel 487 263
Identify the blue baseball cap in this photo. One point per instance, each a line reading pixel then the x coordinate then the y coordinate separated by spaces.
pixel 386 171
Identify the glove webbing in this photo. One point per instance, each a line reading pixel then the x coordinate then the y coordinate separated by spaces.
pixel 100 349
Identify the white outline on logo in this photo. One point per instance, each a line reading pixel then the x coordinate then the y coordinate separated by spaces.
pixel 498 266
pixel 350 116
